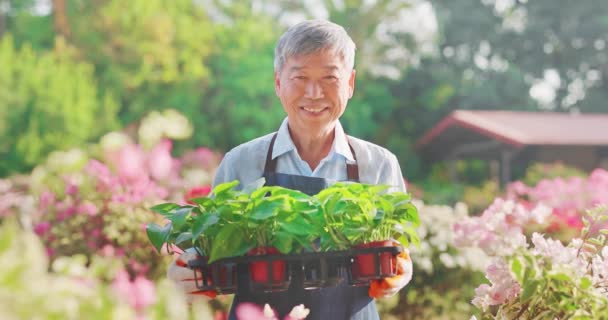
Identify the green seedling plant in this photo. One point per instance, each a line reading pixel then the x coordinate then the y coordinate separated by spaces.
pixel 356 213
pixel 230 222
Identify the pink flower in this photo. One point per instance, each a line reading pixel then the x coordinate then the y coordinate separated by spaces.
pixel 139 293
pixel 516 189
pixel 42 228
pixel 71 188
pixel 160 162
pixel 201 157
pixel 502 289
pixel 498 231
pixel 46 199
pixel 107 251
pixel 88 208
pixel 131 163
pixel 106 182
pixel 251 311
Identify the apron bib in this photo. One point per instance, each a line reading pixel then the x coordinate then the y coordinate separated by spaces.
pixel 342 302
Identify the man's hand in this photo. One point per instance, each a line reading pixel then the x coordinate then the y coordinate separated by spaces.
pixel 389 286
pixel 183 277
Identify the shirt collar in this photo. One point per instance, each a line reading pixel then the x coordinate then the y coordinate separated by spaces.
pixel 284 144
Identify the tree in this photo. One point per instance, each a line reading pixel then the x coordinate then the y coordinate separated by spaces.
pixel 48 101
pixel 151 54
pixel 561 42
pixel 240 103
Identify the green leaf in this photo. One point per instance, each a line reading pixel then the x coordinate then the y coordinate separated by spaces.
pixel 411 215
pixel 517 269
pixel 305 242
pixel 231 241
pixel 546 314
pixel 261 192
pixel 165 208
pixel 203 222
pixel 293 194
pixel 377 188
pixel 585 283
pixel 182 237
pixel 404 241
pixel 595 241
pixel 179 216
pixel 415 239
pixel 283 242
pixel 269 207
pixel 223 187
pixel 204 202
pixel 297 225
pixel 158 235
pixel 529 290
pixel 561 276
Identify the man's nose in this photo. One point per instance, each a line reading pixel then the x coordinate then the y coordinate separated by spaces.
pixel 313 90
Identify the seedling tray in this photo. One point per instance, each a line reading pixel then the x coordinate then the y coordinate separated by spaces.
pixel 310 270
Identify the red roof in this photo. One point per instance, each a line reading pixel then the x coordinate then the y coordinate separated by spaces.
pixel 520 128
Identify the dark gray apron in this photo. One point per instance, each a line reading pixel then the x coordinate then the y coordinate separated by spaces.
pixel 342 302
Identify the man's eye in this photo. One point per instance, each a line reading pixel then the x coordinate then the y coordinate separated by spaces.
pixel 300 77
pixel 331 78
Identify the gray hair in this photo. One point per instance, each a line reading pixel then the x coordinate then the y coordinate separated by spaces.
pixel 311 36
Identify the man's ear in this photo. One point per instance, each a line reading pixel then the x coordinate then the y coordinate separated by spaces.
pixel 277 83
pixel 351 83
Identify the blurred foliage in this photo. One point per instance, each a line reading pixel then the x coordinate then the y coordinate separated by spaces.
pixel 540 171
pixel 47 102
pixel 240 102
pixel 449 183
pixel 212 61
pixel 478 198
pixel 150 54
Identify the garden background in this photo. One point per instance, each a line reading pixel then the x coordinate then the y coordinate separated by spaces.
pixel 108 107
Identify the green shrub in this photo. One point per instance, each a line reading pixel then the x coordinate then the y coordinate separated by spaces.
pixel 48 101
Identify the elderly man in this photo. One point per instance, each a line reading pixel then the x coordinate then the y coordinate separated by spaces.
pixel 314 78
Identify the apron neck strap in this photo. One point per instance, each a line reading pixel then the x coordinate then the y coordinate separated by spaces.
pixel 352 170
pixel 271 164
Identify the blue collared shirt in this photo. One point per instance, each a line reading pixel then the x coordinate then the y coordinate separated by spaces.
pixel 245 162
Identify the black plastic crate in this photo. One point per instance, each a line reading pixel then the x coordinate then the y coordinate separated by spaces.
pixel 309 270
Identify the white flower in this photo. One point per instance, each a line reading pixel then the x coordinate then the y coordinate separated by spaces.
pixel 299 312
pixel 540 213
pixel 177 126
pixel 114 141
pixel 268 312
pixel 447 260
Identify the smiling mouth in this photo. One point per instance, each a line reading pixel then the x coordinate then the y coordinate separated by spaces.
pixel 314 110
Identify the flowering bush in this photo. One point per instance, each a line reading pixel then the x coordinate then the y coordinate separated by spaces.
pixel 14 198
pixel 94 201
pixel 544 281
pixel 437 240
pixel 73 291
pixel 444 276
pixel 568 198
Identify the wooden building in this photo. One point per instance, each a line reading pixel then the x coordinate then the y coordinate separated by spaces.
pixel 516 138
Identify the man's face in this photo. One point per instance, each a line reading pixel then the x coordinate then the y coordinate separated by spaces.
pixel 314 90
